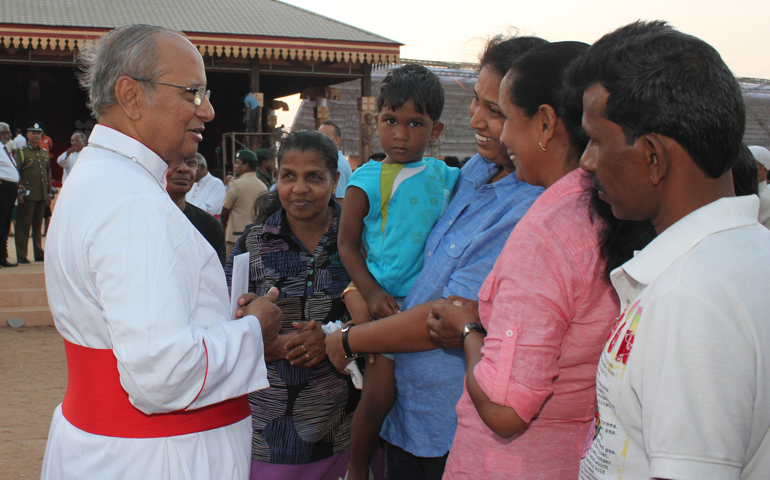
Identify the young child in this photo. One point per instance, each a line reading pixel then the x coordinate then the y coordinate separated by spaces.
pixel 391 206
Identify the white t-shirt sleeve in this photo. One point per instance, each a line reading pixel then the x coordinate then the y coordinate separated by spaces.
pixel 698 373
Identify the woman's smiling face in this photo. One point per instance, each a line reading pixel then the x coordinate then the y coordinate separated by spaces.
pixel 305 184
pixel 486 118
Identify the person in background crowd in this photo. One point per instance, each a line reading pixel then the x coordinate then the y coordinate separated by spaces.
pixel 251 110
pixel 5 137
pixel 684 379
pixel 34 178
pixel 242 191
pixel 762 157
pixel 180 181
pixel 302 422
pixel 19 141
pixel 9 189
pixel 334 132
pixel 46 143
pixel 157 370
pixel 265 167
pixel 208 193
pixel 452 161
pixel 354 161
pixel 458 255
pixel 67 159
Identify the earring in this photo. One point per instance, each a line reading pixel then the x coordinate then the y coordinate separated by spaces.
pixel 542 147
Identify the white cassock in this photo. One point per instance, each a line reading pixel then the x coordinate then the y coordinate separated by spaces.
pixel 67 162
pixel 208 194
pixel 126 271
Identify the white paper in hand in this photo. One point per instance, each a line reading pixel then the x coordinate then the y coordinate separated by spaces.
pixel 240 281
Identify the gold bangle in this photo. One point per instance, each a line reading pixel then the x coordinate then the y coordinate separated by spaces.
pixel 346 291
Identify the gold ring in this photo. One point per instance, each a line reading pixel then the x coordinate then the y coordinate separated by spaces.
pixel 308 356
pixel 303 348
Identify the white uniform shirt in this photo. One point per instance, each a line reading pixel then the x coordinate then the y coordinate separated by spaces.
pixel 683 385
pixel 208 194
pixel 8 170
pixel 125 270
pixel 67 161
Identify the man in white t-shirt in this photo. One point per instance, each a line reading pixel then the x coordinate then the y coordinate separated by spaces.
pixel 208 192
pixel 683 384
pixel 762 156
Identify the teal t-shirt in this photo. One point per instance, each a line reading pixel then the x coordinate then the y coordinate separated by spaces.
pixel 405 201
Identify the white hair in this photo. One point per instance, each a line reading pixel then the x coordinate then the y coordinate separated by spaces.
pixel 130 51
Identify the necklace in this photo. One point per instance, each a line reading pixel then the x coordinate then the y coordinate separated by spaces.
pixel 499 175
pixel 133 159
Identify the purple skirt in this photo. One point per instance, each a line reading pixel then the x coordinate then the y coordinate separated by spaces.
pixel 332 468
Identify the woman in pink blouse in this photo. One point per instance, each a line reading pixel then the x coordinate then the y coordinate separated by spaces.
pixel 547 306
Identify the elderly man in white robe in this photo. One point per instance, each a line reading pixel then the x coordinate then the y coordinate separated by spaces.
pixel 157 373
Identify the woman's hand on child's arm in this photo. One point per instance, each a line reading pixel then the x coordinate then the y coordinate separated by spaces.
pixel 381 304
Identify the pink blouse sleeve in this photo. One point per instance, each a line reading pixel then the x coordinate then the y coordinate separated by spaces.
pixel 526 305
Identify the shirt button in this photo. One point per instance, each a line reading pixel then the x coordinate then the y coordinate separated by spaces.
pixel 310 272
pixel 312 259
pixel 309 284
pixel 451 222
pixel 430 253
pixel 452 246
pixel 509 333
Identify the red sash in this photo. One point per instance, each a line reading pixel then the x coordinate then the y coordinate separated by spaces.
pixel 96 403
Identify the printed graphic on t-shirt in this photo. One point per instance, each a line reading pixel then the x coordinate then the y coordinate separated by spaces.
pixel 607 456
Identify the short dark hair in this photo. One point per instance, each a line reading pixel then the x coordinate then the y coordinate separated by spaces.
pixel 745 173
pixel 663 81
pixel 416 83
pixel 302 141
pixel 536 78
pixel 501 51
pixel 337 131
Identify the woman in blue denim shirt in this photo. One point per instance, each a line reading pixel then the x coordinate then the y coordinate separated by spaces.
pixel 459 254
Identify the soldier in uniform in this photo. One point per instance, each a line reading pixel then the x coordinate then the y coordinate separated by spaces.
pixel 242 191
pixel 32 161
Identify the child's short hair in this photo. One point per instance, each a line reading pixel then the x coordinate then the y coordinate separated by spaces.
pixel 415 83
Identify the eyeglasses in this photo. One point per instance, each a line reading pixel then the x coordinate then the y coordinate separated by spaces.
pixel 199 92
pixel 191 163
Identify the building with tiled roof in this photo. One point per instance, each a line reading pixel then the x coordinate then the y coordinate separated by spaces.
pixel 263 46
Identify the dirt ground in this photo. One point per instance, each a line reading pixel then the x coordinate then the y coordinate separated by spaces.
pixel 33 378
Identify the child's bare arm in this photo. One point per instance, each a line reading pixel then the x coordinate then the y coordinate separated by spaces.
pixel 349 245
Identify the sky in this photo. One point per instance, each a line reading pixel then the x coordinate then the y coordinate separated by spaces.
pixel 456 31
